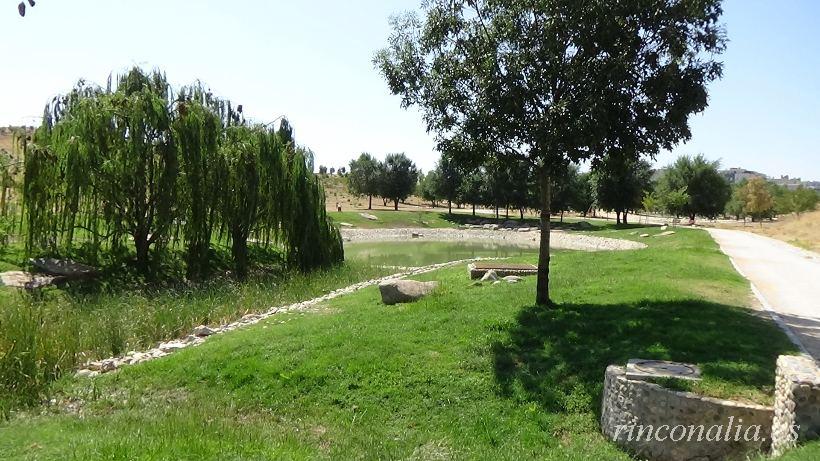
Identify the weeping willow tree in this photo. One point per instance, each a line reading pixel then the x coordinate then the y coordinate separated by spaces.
pixel 110 158
pixel 198 129
pixel 311 239
pixel 134 161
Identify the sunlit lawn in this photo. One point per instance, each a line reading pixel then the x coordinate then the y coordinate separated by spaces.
pixel 471 372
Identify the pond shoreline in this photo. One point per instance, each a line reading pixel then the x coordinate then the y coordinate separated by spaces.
pixel 558 239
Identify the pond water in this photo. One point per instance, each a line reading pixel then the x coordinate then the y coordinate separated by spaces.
pixel 422 253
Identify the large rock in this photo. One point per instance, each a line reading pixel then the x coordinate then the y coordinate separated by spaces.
pixel 404 291
pixel 63 268
pixel 490 276
pixel 369 216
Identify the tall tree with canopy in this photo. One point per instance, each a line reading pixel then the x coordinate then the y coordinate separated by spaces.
pixel 399 178
pixel 450 179
pixel 429 185
pixel 621 184
pixel 118 160
pixel 707 190
pixel 552 81
pixel 364 177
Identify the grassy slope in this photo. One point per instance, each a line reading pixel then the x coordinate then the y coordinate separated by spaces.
pixel 470 372
pixel 50 334
pixel 803 230
pixel 398 219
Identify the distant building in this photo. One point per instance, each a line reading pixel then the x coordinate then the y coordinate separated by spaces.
pixel 787 182
pixel 735 175
pixel 813 185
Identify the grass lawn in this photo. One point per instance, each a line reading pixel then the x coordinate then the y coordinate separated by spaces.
pixel 390 219
pixel 394 219
pixel 471 372
pixel 45 335
pixel 808 452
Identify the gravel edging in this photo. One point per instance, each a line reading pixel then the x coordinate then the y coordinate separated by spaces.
pixel 529 238
pixel 201 333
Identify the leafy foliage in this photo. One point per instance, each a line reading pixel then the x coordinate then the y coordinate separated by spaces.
pixel 759 201
pixel 621 184
pixel 554 82
pixel 398 178
pixel 134 161
pixel 364 177
pixel 706 190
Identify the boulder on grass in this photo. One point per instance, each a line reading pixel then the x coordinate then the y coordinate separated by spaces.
pixel 490 276
pixel 405 291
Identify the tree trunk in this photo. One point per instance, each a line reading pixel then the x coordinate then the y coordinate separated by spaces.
pixel 3 200
pixel 396 204
pixel 562 216
pixel 473 209
pixel 239 251
pixel 521 210
pixel 542 295
pixel 449 207
pixel 369 202
pixel 142 246
pixel 617 217
pixel 625 212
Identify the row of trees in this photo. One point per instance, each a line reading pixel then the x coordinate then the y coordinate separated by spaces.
pixel 510 186
pixel 691 186
pixel 341 171
pixel 759 199
pixel 393 179
pixel 134 161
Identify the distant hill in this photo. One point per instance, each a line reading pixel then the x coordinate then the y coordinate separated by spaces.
pixel 336 192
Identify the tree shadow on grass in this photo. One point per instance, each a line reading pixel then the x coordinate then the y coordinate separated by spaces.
pixel 557 356
pixel 555 223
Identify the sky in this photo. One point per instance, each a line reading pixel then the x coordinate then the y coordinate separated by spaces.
pixel 312 61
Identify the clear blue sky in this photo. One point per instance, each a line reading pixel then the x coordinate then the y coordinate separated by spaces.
pixel 312 62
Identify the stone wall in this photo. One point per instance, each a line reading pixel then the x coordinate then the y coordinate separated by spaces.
pixel 797 402
pixel 677 420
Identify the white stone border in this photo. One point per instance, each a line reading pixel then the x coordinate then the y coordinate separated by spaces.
pixel 202 332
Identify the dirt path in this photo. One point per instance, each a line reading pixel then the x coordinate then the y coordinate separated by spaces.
pixel 784 277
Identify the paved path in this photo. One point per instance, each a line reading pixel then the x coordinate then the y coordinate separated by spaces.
pixel 786 278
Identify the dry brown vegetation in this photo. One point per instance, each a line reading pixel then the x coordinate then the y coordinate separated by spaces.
pixel 802 231
pixel 336 191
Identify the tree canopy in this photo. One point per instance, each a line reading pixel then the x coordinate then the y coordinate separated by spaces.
pixel 398 178
pixel 706 189
pixel 135 161
pixel 554 82
pixel 621 184
pixel 364 177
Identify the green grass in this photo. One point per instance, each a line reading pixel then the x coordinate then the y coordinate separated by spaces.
pixel 45 335
pixel 394 219
pixel 471 372
pixel 389 219
pixel 810 451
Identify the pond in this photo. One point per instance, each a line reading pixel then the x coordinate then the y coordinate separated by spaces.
pixel 422 253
